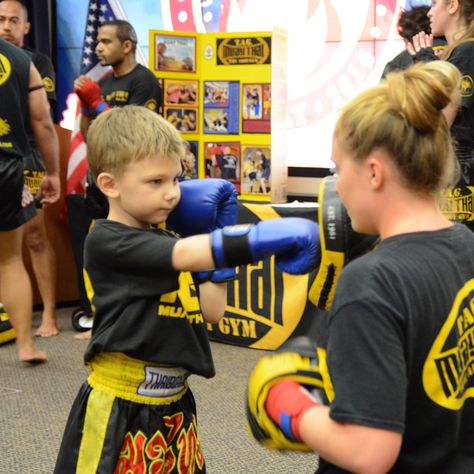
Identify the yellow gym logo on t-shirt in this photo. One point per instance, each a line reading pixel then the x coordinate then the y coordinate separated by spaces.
pixel 48 84
pixel 4 127
pixel 183 303
pixel 448 373
pixel 5 69
pixel 152 105
pixel 467 86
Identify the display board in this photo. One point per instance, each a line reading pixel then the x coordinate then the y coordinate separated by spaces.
pixel 226 94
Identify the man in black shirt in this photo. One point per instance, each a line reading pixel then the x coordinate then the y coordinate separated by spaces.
pixel 14 25
pixel 23 100
pixel 128 83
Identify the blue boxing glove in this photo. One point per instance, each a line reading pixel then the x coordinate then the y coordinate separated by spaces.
pixel 294 242
pixel 205 205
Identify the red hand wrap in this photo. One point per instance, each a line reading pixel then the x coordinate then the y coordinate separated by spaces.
pixel 89 95
pixel 286 403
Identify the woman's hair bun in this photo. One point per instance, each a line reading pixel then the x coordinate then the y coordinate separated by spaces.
pixel 421 92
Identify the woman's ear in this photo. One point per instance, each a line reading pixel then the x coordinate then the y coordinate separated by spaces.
pixel 375 171
pixel 107 184
pixel 453 7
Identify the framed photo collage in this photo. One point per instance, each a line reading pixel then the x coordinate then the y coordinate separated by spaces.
pixel 208 113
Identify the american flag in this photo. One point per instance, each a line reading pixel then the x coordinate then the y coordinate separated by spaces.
pixel 178 15
pixel 98 12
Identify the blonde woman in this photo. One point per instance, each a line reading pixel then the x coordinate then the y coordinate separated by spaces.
pixel 399 351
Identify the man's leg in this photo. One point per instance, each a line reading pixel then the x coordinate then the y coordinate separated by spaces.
pixel 15 288
pixel 44 266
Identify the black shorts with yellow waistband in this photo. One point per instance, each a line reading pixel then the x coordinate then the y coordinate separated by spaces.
pixel 12 214
pixel 132 417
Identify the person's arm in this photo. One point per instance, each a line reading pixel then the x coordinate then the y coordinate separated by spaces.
pixel 293 241
pixel 48 76
pixel 291 386
pixel 195 254
pixel 45 136
pixel 212 299
pixel 463 58
pixel 91 102
pixel 84 125
pixel 356 448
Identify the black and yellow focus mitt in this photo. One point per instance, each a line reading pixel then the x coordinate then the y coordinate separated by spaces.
pixel 280 389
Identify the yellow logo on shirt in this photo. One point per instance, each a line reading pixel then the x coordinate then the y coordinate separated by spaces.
pixel 467 86
pixel 5 69
pixel 152 105
pixel 448 373
pixel 183 303
pixel 4 127
pixel 48 84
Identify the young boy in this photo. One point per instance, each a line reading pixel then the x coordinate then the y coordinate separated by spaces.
pixel 136 410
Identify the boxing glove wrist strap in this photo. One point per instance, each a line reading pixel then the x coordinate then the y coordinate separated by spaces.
pixel 87 112
pixel 101 106
pixel 216 276
pixel 230 246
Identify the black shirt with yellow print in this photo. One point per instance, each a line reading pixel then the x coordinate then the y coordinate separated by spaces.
pixel 142 306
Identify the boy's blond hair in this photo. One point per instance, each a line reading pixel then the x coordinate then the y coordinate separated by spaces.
pixel 123 135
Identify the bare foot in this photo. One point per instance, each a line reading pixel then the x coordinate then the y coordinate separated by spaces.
pixel 83 336
pixel 47 329
pixel 32 356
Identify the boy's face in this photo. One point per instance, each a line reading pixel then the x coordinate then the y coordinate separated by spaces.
pixel 146 192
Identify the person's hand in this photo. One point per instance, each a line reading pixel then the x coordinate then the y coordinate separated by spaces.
pixel 287 402
pixel 80 81
pixel 281 388
pixel 26 196
pixel 78 84
pixel 89 95
pixel 418 42
pixel 49 190
pixel 206 205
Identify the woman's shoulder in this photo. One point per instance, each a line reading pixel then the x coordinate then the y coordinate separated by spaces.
pixel 463 50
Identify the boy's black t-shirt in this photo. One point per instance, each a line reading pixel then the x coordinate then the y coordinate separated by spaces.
pixel 142 306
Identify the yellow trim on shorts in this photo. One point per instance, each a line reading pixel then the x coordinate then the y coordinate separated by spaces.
pixel 99 407
pixel 120 376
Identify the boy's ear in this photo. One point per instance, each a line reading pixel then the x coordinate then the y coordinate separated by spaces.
pixel 107 184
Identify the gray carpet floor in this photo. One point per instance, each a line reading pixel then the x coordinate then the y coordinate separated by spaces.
pixel 35 402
